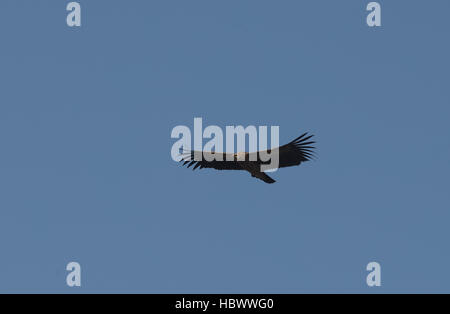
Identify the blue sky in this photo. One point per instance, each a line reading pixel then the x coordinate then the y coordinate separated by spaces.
pixel 85 167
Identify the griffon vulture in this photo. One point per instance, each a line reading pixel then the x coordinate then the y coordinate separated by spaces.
pixel 291 154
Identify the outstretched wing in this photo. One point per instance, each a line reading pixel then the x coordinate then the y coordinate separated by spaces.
pixel 210 160
pixel 291 154
pixel 297 151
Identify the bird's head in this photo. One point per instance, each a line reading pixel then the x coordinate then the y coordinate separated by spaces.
pixel 240 156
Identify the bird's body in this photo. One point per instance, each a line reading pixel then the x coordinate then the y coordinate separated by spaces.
pixel 291 154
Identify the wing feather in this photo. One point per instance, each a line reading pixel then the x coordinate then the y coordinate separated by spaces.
pixel 219 163
pixel 294 153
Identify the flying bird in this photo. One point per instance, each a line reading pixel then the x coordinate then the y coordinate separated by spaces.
pixel 291 154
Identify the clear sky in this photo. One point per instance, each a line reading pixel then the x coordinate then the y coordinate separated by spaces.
pixel 85 167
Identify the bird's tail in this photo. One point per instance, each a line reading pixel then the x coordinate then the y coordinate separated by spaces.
pixel 263 176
